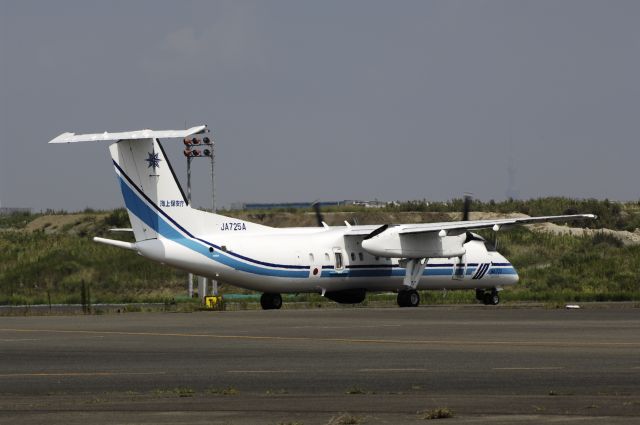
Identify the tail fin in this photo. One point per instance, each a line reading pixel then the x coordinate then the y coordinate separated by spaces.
pixel 153 197
pixel 145 174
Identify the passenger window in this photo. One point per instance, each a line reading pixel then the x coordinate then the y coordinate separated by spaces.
pixel 353 256
pixel 360 256
pixel 339 263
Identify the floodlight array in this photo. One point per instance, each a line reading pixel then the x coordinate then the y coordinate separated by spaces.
pixel 190 152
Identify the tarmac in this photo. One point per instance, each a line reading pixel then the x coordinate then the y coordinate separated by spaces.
pixel 484 364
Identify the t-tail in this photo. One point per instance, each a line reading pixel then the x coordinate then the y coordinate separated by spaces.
pixel 153 197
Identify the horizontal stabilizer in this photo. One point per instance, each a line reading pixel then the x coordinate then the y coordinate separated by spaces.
pixel 119 244
pixel 128 135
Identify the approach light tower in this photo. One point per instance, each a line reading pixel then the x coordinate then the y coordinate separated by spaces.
pixel 192 150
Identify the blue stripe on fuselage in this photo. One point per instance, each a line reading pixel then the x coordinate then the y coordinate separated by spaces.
pixel 152 219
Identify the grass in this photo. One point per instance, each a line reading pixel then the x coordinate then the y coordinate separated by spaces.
pixel 178 391
pixel 46 258
pixel 345 419
pixel 357 390
pixel 224 391
pixel 438 413
pixel 276 392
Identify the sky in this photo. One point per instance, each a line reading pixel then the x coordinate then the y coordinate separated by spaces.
pixel 330 100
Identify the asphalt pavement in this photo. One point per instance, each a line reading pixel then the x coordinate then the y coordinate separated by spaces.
pixel 348 365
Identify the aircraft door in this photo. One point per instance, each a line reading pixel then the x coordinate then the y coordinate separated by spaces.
pixel 339 260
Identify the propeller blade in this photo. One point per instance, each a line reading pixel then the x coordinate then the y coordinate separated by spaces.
pixel 377 231
pixel 465 208
pixel 472 237
pixel 319 218
pixel 468 237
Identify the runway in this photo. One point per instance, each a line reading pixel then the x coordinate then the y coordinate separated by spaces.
pixel 378 365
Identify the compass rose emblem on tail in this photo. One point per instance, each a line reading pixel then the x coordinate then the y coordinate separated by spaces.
pixel 153 160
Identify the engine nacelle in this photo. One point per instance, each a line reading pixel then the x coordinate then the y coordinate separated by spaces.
pixel 392 244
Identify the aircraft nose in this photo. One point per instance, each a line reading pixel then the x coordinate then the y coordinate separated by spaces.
pixel 510 273
pixel 513 277
pixel 516 277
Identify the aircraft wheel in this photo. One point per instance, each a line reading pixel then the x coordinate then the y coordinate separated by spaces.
pixel 480 294
pixel 414 298
pixel 402 299
pixel 491 298
pixel 409 298
pixel 271 301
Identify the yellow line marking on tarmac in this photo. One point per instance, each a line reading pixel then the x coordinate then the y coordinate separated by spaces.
pixel 57 374
pixel 18 339
pixel 343 327
pixel 260 371
pixel 346 340
pixel 528 368
pixel 417 369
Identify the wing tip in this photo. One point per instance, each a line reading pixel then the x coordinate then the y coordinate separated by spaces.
pixel 62 138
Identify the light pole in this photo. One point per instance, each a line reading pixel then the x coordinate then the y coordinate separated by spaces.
pixel 191 151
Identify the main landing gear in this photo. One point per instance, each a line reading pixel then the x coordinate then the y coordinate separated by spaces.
pixel 271 301
pixel 488 297
pixel 409 298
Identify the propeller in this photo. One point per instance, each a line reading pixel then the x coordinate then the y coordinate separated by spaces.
pixel 466 206
pixel 319 217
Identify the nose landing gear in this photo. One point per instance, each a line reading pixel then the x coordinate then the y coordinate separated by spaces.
pixel 409 298
pixel 488 297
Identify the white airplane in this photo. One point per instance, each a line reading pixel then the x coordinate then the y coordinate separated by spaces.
pixel 342 263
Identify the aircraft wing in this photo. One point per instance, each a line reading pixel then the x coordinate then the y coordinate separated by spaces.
pixel 128 135
pixel 361 230
pixel 439 240
pixel 462 226
pixel 496 224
